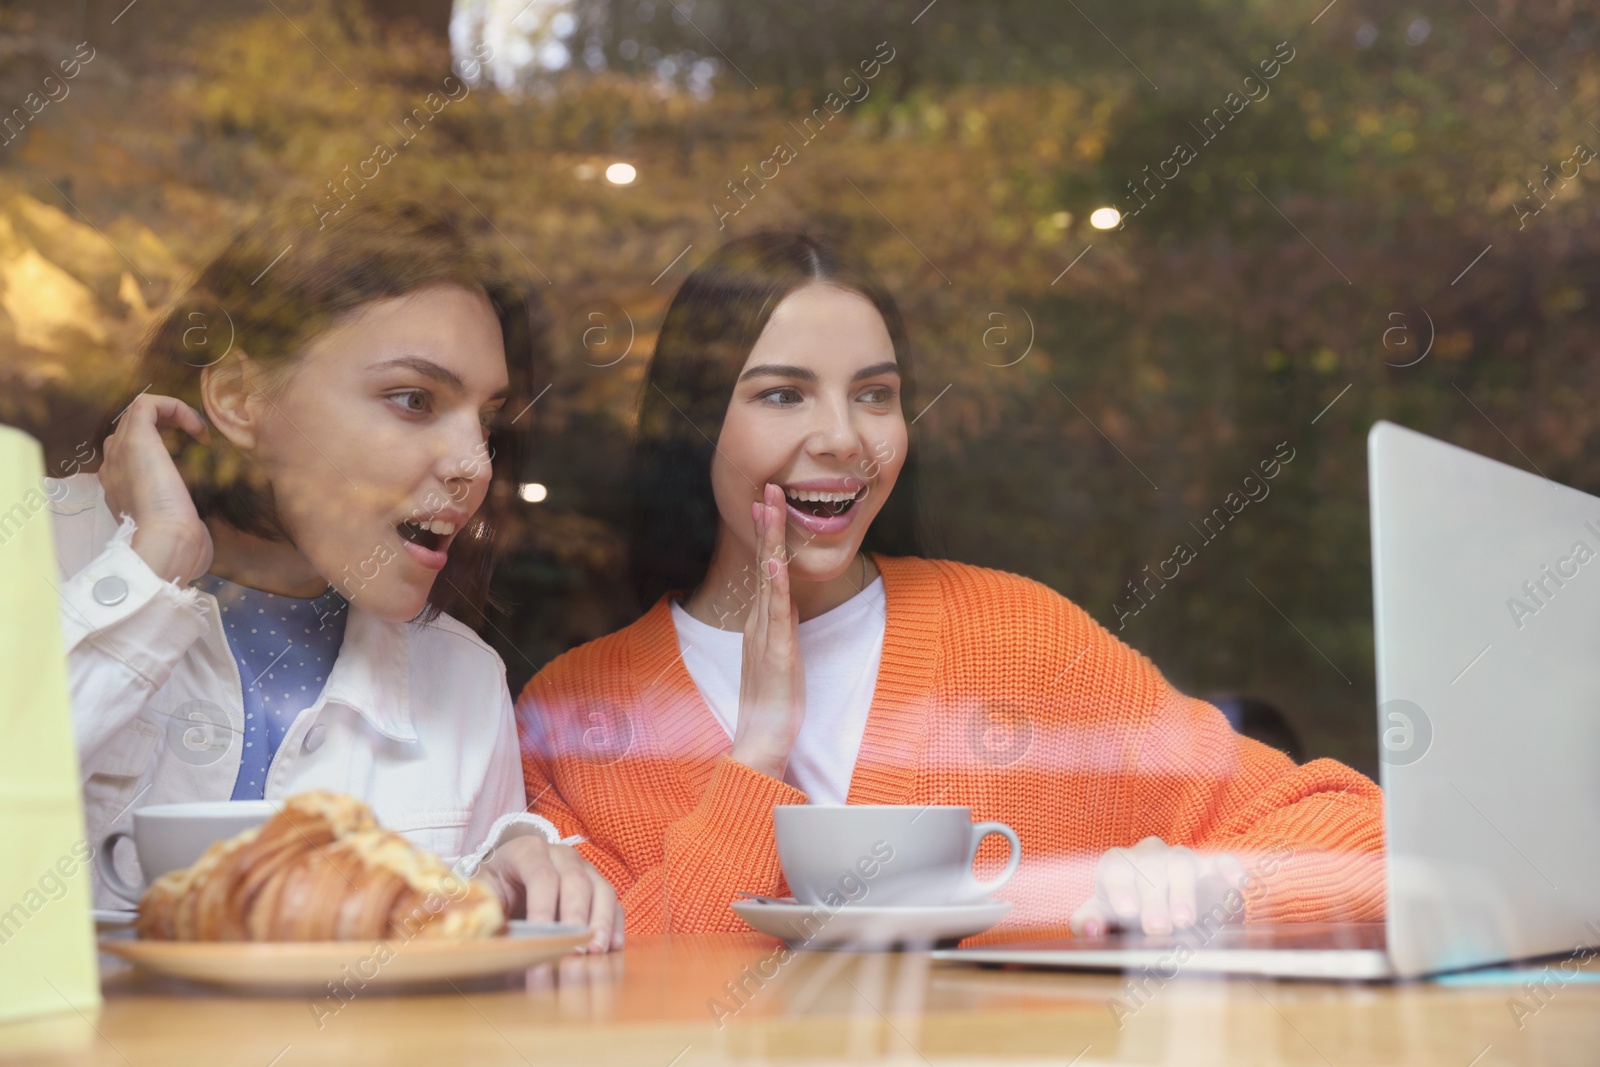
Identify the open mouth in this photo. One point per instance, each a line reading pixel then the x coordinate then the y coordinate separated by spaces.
pixel 430 534
pixel 821 503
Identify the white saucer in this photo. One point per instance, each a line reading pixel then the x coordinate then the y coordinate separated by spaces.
pixel 858 926
pixel 111 918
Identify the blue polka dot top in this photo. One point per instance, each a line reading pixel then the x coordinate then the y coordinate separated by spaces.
pixel 285 647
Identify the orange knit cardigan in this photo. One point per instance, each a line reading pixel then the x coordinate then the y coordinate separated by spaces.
pixel 994 692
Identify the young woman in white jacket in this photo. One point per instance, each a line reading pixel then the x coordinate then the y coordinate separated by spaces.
pixel 258 584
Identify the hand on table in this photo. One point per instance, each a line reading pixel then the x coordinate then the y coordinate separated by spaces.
pixel 552 883
pixel 772 683
pixel 1156 888
pixel 140 479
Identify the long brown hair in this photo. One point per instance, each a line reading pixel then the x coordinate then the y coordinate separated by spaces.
pixel 287 277
pixel 709 329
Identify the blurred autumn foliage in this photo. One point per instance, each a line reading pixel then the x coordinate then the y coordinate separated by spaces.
pixel 1082 419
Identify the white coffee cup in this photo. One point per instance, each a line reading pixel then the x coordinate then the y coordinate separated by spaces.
pixel 169 836
pixel 886 854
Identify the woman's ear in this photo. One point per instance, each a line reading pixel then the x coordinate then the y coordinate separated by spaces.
pixel 234 399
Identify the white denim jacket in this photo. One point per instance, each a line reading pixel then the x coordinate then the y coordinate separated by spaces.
pixel 415 718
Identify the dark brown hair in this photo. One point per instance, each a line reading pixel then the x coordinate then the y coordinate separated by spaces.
pixel 287 277
pixel 709 329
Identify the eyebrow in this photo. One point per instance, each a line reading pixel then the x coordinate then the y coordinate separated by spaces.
pixel 886 367
pixel 434 371
pixel 784 370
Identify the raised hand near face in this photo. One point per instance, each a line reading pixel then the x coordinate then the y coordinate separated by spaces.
pixel 140 479
pixel 772 681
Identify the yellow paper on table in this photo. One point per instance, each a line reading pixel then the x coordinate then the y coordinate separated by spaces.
pixel 47 951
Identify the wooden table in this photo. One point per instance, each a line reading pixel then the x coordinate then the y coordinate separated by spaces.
pixel 651 1006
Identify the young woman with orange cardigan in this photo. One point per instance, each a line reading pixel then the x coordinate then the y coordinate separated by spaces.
pixel 771 436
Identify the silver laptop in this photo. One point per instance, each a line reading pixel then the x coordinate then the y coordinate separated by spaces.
pixel 1486 610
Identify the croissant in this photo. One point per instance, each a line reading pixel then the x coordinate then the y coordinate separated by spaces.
pixel 321 869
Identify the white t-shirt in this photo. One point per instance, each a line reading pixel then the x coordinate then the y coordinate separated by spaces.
pixel 840 650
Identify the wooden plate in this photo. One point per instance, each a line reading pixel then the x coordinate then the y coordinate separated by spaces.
pixel 355 965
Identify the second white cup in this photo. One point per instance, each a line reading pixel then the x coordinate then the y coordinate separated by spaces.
pixel 169 836
pixel 886 854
